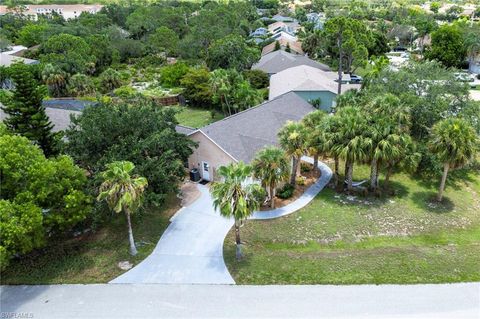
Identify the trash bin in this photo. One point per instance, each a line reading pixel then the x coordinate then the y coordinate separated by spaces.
pixel 194 175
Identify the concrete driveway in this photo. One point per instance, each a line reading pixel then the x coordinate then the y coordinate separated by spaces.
pixel 190 250
pixel 455 301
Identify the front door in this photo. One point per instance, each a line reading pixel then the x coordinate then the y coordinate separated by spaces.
pixel 205 171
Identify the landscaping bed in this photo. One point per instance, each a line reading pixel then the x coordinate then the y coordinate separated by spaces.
pixel 343 239
pixel 92 257
pixel 309 177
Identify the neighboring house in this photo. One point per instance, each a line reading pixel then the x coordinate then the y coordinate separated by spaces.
pixel 290 28
pixel 239 137
pixel 295 46
pixel 318 19
pixel 59 111
pixel 67 11
pixel 260 32
pixel 6 59
pixel 474 64
pixel 279 60
pixel 309 83
pixel 280 18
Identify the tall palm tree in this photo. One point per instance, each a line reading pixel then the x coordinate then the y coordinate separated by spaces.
pixel 271 167
pixel 293 137
pixel 235 197
pixel 351 141
pixel 455 143
pixel 313 123
pixel 123 192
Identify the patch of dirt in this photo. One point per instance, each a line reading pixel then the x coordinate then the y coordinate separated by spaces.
pixel 189 193
pixel 310 178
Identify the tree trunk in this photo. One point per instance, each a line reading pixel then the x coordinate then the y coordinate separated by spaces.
pixel 238 251
pixel 340 63
pixel 446 167
pixel 315 162
pixel 349 177
pixel 337 164
pixel 373 174
pixel 272 196
pixel 133 249
pixel 387 178
pixel 294 170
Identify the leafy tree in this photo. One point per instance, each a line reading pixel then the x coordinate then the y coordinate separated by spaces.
pixel 271 166
pixel 171 75
pixel 231 52
pixel 455 143
pixel 26 115
pixel 236 198
pixel 101 48
pixel 447 46
pixel 110 79
pixel 257 78
pixel 68 52
pixel 80 85
pixel 55 79
pixel 293 138
pixel 123 192
pixel 32 34
pixel 39 197
pixel 232 92
pixel 111 132
pixel 197 87
pixel 164 40
pixel 347 41
pixel 425 25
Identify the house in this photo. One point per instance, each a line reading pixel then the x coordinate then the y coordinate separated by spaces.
pixel 279 60
pixel 260 32
pixel 474 64
pixel 290 28
pixel 6 59
pixel 280 18
pixel 294 45
pixel 59 111
pixel 67 11
pixel 309 83
pixel 239 137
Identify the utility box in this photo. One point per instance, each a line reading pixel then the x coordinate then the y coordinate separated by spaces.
pixel 194 175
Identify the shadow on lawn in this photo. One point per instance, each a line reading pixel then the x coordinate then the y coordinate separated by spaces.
pixel 427 201
pixel 457 179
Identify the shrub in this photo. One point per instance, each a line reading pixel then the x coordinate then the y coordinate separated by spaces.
pixel 286 191
pixel 300 180
pixel 304 167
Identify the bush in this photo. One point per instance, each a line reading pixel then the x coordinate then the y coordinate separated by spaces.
pixel 257 78
pixel 304 167
pixel 300 180
pixel 286 191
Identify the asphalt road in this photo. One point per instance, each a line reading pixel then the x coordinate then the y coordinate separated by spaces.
pixel 456 301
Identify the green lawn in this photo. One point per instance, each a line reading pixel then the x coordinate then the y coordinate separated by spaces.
pixel 338 239
pixel 196 117
pixel 93 258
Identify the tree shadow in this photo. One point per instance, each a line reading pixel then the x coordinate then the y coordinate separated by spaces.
pixel 427 201
pixel 456 179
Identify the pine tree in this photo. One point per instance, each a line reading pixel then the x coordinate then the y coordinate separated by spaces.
pixel 26 115
pixel 277 46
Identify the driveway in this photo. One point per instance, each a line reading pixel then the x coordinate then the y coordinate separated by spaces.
pixel 190 250
pixel 454 301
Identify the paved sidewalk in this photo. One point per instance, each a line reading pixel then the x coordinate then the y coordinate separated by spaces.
pixel 455 301
pixel 190 250
pixel 302 201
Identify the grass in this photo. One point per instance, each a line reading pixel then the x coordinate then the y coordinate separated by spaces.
pixel 196 117
pixel 339 239
pixel 92 258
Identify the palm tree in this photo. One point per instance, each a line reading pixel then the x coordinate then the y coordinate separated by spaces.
pixel 455 143
pixel 351 142
pixel 55 79
pixel 123 192
pixel 293 139
pixel 315 140
pixel 235 197
pixel 271 167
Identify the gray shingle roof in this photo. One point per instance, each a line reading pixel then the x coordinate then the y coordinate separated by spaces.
pixel 278 61
pixel 242 135
pixel 184 129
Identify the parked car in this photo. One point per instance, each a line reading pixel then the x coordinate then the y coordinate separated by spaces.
pixel 355 79
pixel 464 77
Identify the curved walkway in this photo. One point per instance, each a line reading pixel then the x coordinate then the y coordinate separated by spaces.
pixel 302 201
pixel 190 250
